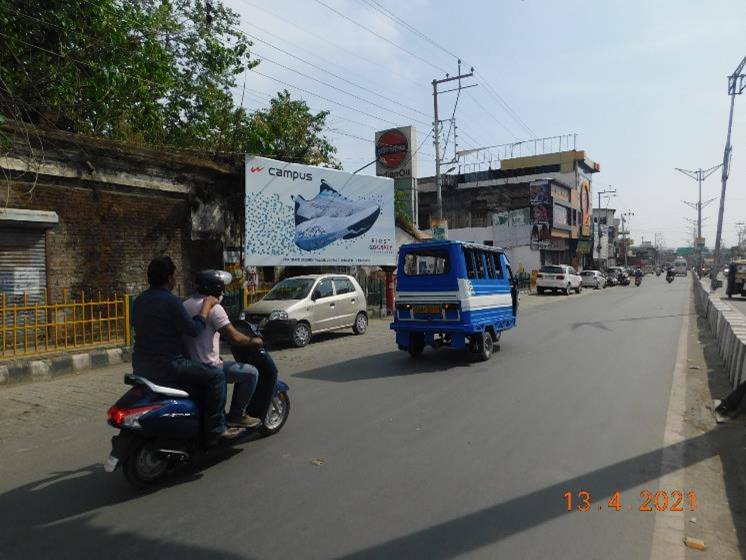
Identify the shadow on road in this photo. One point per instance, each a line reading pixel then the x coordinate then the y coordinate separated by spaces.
pixel 490 525
pixel 55 517
pixel 602 324
pixel 392 364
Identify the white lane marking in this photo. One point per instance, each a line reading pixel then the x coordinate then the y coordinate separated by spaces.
pixel 668 532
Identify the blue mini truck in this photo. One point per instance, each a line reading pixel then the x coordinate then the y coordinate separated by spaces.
pixel 452 293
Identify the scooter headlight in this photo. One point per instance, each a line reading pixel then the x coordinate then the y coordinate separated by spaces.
pixel 278 315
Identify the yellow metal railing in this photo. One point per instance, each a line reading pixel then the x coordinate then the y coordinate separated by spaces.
pixel 250 297
pixel 30 328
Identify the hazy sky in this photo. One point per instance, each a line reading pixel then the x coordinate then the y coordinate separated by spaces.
pixel 642 82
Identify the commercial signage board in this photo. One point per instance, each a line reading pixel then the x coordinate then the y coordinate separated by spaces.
pixel 396 155
pixel 540 200
pixel 313 216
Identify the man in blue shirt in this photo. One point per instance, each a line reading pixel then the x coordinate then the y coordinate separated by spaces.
pixel 160 321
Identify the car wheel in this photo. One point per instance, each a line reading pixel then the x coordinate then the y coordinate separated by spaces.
pixel 540 291
pixel 579 288
pixel 301 335
pixel 361 323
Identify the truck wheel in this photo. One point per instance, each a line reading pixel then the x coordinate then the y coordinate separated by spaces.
pixel 416 346
pixel 485 346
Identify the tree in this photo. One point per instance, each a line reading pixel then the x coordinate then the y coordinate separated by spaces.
pixel 158 72
pixel 289 130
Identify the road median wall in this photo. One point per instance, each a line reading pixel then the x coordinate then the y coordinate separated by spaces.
pixel 728 326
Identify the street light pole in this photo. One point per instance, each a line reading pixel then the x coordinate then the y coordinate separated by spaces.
pixel 598 221
pixel 736 85
pixel 625 218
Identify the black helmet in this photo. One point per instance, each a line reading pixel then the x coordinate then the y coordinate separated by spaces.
pixel 213 282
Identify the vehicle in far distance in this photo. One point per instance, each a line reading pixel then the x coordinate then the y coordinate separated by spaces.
pixel 558 278
pixel 298 307
pixel 592 279
pixel 680 266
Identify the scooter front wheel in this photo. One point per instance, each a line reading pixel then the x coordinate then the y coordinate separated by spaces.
pixel 146 465
pixel 277 415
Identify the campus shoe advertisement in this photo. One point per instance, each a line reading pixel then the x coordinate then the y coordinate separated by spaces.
pixel 303 215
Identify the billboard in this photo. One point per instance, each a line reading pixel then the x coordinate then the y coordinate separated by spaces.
pixel 540 199
pixel 395 153
pixel 312 216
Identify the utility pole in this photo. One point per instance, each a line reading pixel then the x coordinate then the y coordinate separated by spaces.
pixel 436 129
pixel 610 192
pixel 625 218
pixel 699 175
pixel 736 85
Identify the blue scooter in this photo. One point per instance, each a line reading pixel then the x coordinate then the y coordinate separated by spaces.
pixel 161 427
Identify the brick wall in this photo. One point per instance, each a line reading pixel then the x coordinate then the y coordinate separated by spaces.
pixel 105 237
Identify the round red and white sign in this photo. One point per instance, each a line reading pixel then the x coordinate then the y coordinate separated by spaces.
pixel 392 148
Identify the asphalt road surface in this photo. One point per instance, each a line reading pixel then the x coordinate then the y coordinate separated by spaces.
pixel 437 458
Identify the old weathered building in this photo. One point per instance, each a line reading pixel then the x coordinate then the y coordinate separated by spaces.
pixel 78 213
pixel 551 224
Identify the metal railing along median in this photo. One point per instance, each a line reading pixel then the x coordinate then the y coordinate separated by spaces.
pixel 32 326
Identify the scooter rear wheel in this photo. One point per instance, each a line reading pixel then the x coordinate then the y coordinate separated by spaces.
pixel 277 415
pixel 146 465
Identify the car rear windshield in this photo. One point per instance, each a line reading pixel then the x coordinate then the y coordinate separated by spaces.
pixel 552 269
pixel 426 263
pixel 290 288
pixel 587 273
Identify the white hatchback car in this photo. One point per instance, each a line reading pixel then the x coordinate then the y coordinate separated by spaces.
pixel 558 278
pixel 593 279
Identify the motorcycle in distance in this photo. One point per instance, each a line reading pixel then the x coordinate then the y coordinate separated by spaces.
pixel 160 427
pixel 670 275
pixel 638 279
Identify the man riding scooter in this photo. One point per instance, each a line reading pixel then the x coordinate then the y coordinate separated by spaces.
pixel 161 322
pixel 670 274
pixel 205 347
pixel 638 277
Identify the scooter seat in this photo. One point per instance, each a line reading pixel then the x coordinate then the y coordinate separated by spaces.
pixel 132 379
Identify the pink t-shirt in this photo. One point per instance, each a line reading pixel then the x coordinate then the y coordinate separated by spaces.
pixel 205 347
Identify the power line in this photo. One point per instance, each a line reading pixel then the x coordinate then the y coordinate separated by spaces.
pixel 389 41
pixel 398 102
pixel 390 15
pixel 322 97
pixel 337 45
pixel 474 99
pixel 327 84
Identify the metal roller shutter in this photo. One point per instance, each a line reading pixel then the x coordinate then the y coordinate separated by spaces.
pixel 22 262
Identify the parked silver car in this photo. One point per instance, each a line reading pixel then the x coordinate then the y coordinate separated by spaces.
pixel 298 307
pixel 593 279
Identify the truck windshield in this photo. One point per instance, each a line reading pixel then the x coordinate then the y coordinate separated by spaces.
pixel 290 288
pixel 426 263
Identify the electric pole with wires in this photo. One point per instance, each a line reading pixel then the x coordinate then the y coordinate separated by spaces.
pixel 699 175
pixel 440 228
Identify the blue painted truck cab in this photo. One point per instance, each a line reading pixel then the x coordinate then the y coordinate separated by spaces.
pixel 452 293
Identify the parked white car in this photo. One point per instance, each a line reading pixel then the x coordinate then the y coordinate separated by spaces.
pixel 558 278
pixel 593 279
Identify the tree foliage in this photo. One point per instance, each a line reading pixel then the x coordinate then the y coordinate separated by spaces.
pixel 158 72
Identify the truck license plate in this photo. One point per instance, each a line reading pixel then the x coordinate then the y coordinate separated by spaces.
pixel 427 309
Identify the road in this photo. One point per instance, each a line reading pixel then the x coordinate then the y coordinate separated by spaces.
pixel 438 458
